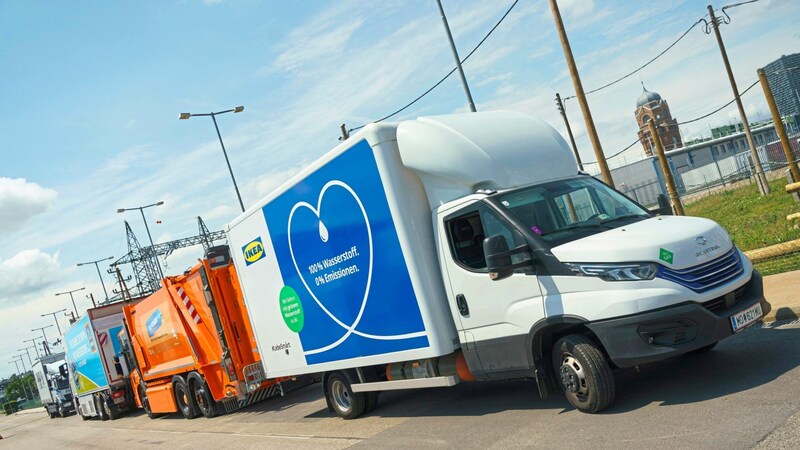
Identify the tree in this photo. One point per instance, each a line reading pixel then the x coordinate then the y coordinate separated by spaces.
pixel 15 388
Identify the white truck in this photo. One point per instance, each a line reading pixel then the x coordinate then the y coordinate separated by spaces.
pixel 470 247
pixel 52 382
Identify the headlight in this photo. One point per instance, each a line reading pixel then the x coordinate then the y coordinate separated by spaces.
pixel 615 272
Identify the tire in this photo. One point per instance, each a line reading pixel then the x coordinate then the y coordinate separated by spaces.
pixel 98 405
pixel 109 408
pixel 704 349
pixel 347 404
pixel 583 374
pixel 203 399
pixel 145 402
pixel 60 411
pixel 184 399
pixel 50 413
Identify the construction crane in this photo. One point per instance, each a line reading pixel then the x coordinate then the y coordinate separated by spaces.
pixel 144 259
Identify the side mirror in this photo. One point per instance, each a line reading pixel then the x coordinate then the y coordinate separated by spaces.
pixel 498 257
pixel 62 369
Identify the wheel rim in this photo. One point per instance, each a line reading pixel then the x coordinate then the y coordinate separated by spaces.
pixel 573 377
pixel 200 398
pixel 341 397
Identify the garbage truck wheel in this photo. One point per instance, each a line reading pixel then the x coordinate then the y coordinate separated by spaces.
pixel 202 397
pixel 184 398
pixel 145 403
pixel 583 373
pixel 346 403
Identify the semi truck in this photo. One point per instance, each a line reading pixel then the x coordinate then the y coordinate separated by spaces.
pixel 97 374
pixel 52 382
pixel 191 347
pixel 468 247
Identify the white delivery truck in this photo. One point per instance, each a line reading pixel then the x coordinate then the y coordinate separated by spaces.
pixel 52 382
pixel 470 247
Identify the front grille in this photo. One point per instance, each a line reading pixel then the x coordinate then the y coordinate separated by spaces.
pixel 706 276
pixel 723 302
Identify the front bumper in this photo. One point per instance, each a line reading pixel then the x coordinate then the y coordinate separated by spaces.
pixel 675 330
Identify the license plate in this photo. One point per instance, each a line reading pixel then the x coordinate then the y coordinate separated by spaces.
pixel 742 319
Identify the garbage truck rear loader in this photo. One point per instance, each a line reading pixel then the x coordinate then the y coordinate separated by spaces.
pixel 461 247
pixel 191 346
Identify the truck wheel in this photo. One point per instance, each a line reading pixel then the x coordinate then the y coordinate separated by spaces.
pixel 184 399
pixel 202 397
pixel 145 402
pixel 347 404
pixel 109 409
pixel 98 406
pixel 584 374
pixel 61 412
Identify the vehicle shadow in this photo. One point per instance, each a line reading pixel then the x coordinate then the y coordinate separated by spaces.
pixel 746 361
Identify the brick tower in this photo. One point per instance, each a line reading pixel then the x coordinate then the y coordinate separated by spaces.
pixel 650 106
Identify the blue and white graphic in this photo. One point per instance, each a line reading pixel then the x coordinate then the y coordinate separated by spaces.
pixel 154 322
pixel 337 247
pixel 84 361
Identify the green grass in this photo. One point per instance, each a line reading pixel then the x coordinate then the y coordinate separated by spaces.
pixel 753 221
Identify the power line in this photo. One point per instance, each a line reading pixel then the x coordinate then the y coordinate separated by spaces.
pixel 643 65
pixel 446 76
pixel 687 121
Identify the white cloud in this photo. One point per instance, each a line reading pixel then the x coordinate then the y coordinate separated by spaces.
pixel 20 200
pixel 26 273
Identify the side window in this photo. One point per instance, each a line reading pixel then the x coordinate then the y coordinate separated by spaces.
pixel 468 231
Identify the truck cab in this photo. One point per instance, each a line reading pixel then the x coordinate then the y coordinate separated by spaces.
pixel 529 266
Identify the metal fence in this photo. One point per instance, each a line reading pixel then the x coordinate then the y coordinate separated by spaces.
pixel 702 171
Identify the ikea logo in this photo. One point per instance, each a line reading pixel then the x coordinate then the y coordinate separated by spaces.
pixel 253 251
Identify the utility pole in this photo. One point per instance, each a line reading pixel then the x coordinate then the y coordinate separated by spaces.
pixel 677 206
pixel 563 112
pixel 91 297
pixel 455 55
pixel 763 186
pixel 777 120
pixel 576 81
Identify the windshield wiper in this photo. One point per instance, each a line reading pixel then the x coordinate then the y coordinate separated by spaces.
pixel 623 217
pixel 581 225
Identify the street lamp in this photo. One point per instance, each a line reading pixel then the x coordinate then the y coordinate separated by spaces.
pixel 141 210
pixel 34 346
pixel 98 271
pixel 44 335
pixel 27 353
pixel 73 299
pixel 238 109
pixel 54 318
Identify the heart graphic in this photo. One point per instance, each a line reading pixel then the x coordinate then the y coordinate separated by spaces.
pixel 312 243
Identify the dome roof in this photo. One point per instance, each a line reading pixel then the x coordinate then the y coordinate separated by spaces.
pixel 647 97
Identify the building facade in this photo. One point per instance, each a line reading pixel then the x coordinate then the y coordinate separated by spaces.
pixel 783 76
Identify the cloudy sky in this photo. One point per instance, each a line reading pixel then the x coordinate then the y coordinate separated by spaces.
pixel 91 93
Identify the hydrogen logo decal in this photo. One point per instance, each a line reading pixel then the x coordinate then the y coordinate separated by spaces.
pixel 347 289
pixel 154 322
pixel 324 237
pixel 253 251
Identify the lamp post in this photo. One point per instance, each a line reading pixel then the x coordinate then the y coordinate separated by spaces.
pixel 238 109
pixel 141 210
pixel 44 335
pixel 98 271
pixel 34 346
pixel 27 353
pixel 71 297
pixel 54 318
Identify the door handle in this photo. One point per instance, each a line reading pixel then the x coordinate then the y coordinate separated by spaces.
pixel 461 302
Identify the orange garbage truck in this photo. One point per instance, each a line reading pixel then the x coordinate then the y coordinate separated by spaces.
pixel 191 345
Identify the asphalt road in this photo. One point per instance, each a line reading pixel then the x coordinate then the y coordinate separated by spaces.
pixel 744 394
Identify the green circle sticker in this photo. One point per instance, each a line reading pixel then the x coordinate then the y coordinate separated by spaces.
pixel 292 309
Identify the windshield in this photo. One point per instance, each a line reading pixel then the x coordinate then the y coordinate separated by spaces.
pixel 565 210
pixel 62 383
